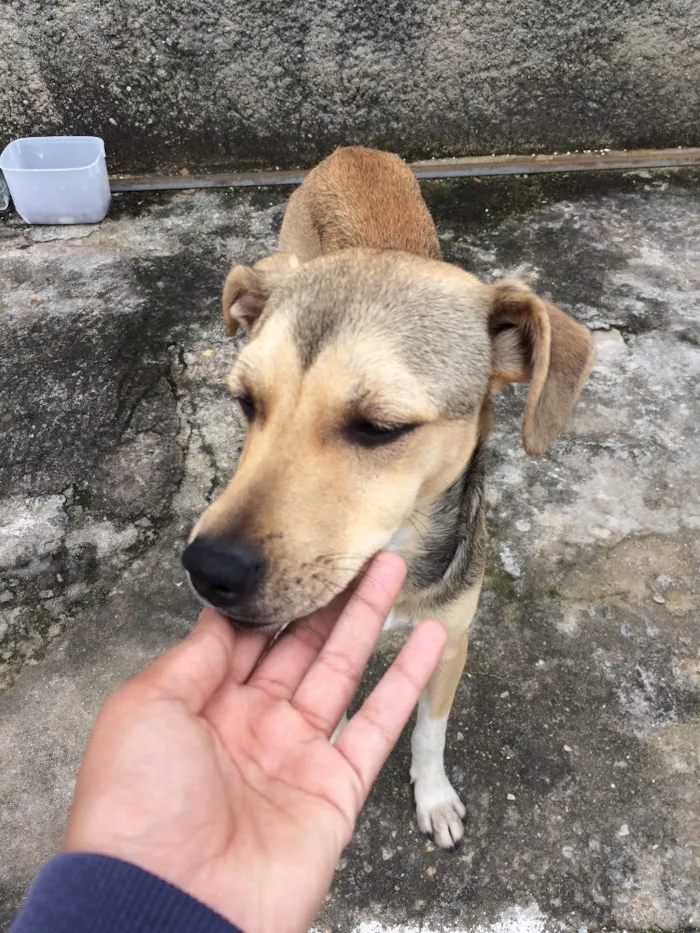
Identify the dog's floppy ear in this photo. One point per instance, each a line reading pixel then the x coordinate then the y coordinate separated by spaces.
pixel 247 288
pixel 533 341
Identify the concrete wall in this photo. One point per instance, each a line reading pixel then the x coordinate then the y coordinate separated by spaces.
pixel 246 83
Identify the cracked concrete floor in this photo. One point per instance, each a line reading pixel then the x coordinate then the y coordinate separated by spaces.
pixel 575 741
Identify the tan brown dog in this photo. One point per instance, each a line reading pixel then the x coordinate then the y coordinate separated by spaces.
pixel 366 384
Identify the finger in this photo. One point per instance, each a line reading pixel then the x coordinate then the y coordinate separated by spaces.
pixel 328 687
pixel 373 731
pixel 193 670
pixel 282 670
pixel 250 647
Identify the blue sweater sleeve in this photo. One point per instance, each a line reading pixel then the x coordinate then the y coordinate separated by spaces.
pixel 80 893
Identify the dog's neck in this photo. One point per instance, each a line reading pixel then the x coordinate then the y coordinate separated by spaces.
pixel 444 549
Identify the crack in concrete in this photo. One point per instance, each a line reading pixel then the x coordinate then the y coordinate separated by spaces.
pixel 188 412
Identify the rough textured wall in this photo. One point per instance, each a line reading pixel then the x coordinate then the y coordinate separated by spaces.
pixel 249 83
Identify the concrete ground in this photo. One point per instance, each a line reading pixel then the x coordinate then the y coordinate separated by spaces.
pixel 575 741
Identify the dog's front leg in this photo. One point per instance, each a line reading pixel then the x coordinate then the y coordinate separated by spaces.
pixel 439 809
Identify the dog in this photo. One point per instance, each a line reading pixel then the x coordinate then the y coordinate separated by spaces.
pixel 366 384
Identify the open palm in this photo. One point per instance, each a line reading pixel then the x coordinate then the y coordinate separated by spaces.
pixel 214 769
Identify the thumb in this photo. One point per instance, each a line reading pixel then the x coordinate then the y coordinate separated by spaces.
pixel 193 670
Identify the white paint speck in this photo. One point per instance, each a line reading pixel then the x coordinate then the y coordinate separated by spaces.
pixel 509 561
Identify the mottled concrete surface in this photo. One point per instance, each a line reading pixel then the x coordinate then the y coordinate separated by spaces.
pixel 239 82
pixel 576 734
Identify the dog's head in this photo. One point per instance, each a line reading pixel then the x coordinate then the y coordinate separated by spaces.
pixel 363 384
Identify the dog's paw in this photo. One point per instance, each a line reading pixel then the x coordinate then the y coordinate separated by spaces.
pixel 440 811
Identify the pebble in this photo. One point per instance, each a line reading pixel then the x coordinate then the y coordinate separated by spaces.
pixel 510 796
pixel 624 830
pixel 5 596
pixel 430 871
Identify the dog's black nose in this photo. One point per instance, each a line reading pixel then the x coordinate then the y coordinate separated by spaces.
pixel 222 572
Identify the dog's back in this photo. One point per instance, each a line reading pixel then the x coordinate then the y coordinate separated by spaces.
pixel 358 198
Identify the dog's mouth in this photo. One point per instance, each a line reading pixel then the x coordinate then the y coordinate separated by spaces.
pixel 243 625
pixel 235 618
pixel 245 622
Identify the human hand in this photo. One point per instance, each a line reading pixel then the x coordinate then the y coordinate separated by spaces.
pixel 213 769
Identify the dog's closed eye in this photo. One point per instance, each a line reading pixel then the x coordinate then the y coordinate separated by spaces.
pixel 247 405
pixel 370 434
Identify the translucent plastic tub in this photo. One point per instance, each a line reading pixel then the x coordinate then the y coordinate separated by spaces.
pixel 57 179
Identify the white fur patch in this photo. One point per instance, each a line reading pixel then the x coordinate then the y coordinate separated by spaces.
pixel 438 808
pixel 394 622
pixel 339 728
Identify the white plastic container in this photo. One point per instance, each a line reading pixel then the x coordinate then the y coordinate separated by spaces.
pixel 57 179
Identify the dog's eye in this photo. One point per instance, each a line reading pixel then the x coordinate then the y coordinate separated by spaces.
pixel 369 434
pixel 247 406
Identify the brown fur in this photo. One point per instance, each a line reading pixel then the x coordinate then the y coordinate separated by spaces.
pixel 535 342
pixel 359 198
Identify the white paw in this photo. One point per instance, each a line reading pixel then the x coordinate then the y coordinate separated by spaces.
pixel 439 809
